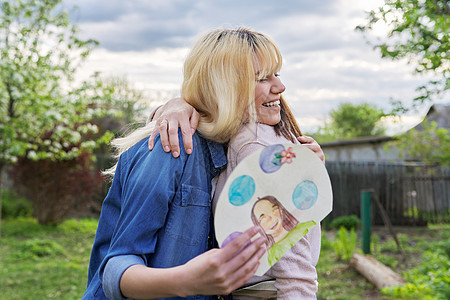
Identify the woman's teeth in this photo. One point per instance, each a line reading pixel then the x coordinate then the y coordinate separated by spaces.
pixel 272 104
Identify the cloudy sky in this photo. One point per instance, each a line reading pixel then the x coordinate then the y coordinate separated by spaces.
pixel 326 62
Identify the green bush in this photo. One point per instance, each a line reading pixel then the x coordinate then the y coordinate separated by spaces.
pixel 345 244
pixel 349 222
pixel 14 206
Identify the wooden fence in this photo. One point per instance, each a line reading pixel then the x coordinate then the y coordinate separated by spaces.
pixel 412 194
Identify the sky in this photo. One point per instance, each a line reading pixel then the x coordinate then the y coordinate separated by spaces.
pixel 325 61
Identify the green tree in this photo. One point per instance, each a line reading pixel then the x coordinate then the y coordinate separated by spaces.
pixel 418 30
pixel 350 121
pixel 430 145
pixel 41 115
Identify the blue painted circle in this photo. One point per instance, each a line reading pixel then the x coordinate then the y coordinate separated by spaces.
pixel 241 190
pixel 267 160
pixel 305 195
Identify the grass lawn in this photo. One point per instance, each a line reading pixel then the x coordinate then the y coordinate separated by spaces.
pixel 50 262
pixel 45 262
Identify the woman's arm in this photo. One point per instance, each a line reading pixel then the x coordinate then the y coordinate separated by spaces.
pixel 176 113
pixel 216 272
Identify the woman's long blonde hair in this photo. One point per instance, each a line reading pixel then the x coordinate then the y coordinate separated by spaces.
pixel 220 75
pixel 219 78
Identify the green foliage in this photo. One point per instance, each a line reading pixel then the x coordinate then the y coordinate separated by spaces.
pixel 37 248
pixel 391 246
pixel 326 243
pixel 41 116
pixel 419 31
pixel 390 261
pixel 83 225
pixel 25 228
pixel 430 280
pixel 349 222
pixel 429 145
pixel 374 243
pixel 119 94
pixel 345 244
pixel 14 206
pixel 350 121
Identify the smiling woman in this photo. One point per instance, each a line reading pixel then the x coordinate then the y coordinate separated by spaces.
pixel 265 119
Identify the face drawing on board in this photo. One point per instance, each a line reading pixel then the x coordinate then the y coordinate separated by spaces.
pixel 274 220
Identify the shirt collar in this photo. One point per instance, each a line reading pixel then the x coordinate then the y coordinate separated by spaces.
pixel 218 157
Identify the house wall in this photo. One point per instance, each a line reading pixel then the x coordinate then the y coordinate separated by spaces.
pixel 360 152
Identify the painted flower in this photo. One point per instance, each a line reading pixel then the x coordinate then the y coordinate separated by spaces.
pixel 287 156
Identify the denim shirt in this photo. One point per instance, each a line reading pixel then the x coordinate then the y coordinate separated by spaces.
pixel 157 213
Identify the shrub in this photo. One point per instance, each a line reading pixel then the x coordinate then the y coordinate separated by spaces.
pixel 345 244
pixel 58 189
pixel 14 206
pixel 349 222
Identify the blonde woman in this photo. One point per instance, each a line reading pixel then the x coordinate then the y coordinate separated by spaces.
pixel 268 121
pixel 155 230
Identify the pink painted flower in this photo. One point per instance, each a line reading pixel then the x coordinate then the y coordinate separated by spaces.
pixel 287 156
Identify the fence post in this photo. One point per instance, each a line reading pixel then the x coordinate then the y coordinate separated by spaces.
pixel 366 220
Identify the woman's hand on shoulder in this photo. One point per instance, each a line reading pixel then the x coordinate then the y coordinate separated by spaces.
pixel 311 143
pixel 176 113
pixel 221 271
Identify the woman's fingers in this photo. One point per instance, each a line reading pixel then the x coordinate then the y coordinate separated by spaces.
pixel 311 143
pixel 174 115
pixel 238 243
pixel 250 254
pixel 172 143
pixel 195 119
pixel 152 137
pixel 163 134
pixel 187 132
pixel 220 271
pixel 243 274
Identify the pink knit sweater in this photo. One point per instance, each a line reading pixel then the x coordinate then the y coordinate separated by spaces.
pixel 295 272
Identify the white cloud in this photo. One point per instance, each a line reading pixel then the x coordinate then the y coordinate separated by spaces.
pixel 326 61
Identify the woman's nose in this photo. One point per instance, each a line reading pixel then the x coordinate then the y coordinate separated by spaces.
pixel 278 87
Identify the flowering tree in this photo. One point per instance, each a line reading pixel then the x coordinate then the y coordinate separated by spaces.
pixel 42 116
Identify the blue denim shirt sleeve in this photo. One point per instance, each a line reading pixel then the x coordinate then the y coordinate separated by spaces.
pixel 149 180
pixel 114 269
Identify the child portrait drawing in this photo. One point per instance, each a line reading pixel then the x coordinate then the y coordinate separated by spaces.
pixel 279 227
